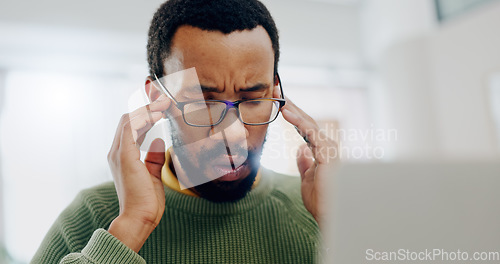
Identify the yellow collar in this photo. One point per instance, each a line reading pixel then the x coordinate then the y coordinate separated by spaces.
pixel 170 180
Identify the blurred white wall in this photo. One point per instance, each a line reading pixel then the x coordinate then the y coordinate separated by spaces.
pixel 464 54
pixel 385 23
pixel 430 81
pixel 318 33
pixel 2 198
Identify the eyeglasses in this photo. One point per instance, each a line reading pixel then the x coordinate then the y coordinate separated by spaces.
pixel 208 113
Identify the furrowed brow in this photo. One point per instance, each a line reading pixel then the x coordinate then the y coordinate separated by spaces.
pixel 208 89
pixel 256 88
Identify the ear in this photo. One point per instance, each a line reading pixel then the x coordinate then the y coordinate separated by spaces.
pixel 151 91
pixel 276 80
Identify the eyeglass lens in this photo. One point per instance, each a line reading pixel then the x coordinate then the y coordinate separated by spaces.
pixel 206 113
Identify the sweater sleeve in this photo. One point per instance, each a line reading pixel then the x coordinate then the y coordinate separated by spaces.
pixel 79 236
pixel 104 248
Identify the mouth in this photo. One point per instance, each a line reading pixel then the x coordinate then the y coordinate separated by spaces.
pixel 230 173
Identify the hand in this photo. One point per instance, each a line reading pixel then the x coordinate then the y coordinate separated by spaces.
pixel 138 185
pixel 315 160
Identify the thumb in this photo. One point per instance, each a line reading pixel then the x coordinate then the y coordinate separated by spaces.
pixel 304 159
pixel 155 158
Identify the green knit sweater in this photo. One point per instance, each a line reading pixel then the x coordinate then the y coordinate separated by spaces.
pixel 269 225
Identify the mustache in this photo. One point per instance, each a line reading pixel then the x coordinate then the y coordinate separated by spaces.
pixel 205 154
pixel 221 149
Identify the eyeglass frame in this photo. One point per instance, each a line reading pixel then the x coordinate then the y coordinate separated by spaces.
pixel 229 105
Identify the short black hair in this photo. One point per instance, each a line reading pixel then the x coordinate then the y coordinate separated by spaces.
pixel 225 16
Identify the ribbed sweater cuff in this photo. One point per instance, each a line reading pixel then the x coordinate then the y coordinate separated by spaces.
pixel 105 248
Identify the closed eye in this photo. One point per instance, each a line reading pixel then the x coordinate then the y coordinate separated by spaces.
pixel 253 102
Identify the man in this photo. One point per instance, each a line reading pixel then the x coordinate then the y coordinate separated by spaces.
pixel 206 200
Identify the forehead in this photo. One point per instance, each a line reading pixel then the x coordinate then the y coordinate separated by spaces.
pixel 240 54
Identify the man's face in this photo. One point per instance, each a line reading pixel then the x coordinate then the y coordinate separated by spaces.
pixel 230 67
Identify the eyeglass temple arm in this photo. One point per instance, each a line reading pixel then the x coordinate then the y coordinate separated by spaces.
pixel 281 88
pixel 165 91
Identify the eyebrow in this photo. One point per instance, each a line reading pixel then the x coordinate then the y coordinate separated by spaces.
pixel 255 88
pixel 208 89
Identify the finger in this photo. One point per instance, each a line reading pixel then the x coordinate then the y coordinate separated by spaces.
pixel 304 160
pixel 118 134
pixel 161 104
pixel 142 119
pixel 138 126
pixel 290 105
pixel 143 123
pixel 324 149
pixel 296 116
pixel 155 158
pixel 308 130
pixel 128 151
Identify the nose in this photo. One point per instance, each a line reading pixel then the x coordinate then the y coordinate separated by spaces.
pixel 230 129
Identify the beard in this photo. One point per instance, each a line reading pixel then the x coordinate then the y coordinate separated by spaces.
pixel 214 190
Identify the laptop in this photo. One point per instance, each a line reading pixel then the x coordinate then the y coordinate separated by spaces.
pixel 414 213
